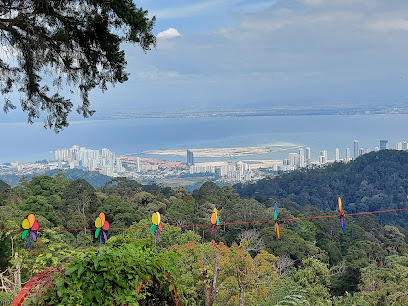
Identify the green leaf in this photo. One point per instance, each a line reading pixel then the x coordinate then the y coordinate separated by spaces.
pixel 81 269
pixel 71 270
pixel 99 282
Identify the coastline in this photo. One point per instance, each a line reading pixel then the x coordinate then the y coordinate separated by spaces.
pixel 224 152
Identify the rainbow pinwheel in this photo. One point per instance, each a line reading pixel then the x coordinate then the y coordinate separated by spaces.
pixel 101 225
pixel 30 225
pixel 276 218
pixel 156 219
pixel 342 216
pixel 214 221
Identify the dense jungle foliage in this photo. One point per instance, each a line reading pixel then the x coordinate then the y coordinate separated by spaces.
pixel 313 263
pixel 374 181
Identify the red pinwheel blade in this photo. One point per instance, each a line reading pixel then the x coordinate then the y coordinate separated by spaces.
pixel 106 225
pixel 160 227
pixel 212 230
pixel 36 226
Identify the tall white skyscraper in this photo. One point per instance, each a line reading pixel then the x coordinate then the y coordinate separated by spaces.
pixel 301 158
pixel 356 152
pixel 399 145
pixel 307 155
pixel 293 159
pixel 138 169
pixel 337 154
pixel 323 157
pixel 348 156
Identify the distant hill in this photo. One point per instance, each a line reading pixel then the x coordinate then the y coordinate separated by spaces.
pixel 94 178
pixel 3 185
pixel 374 181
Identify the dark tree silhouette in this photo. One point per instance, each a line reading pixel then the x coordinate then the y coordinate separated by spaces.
pixel 50 45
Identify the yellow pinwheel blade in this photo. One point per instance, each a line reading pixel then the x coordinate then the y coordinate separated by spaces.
pixel 154 218
pixel 25 225
pixel 98 222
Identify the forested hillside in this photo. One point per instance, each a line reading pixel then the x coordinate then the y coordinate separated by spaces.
pixel 374 181
pixel 244 264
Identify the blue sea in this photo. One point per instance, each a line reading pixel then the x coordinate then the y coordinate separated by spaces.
pixel 24 143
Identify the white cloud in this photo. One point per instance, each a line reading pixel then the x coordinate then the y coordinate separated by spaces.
pixel 169 33
pixel 390 25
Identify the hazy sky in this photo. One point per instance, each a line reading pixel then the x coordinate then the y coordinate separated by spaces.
pixel 215 54
pixel 230 52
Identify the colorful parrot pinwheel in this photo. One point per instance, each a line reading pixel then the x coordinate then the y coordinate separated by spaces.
pixel 276 217
pixel 342 216
pixel 29 225
pixel 214 221
pixel 156 224
pixel 101 225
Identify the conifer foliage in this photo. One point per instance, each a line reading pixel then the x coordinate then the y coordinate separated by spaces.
pixel 50 44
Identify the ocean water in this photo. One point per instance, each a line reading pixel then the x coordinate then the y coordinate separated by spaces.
pixel 22 142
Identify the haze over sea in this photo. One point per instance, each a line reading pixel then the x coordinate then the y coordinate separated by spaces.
pixel 25 143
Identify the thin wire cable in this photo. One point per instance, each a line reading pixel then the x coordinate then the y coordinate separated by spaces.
pixel 225 223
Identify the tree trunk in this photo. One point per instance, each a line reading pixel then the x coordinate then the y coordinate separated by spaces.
pixel 211 289
pixel 241 293
pixel 17 273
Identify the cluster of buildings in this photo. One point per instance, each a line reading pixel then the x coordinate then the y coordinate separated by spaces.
pixel 152 169
pixel 303 157
pixel 227 170
pixel 105 161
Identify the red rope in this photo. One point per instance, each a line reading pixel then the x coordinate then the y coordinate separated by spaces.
pixel 225 223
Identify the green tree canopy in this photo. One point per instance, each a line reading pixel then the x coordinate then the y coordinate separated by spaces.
pixel 74 43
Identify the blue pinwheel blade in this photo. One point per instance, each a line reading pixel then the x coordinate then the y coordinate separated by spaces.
pixel 276 212
pixel 343 225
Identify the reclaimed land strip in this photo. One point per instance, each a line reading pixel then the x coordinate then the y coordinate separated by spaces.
pixel 224 152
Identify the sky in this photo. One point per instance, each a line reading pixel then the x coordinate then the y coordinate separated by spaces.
pixel 237 53
pixel 234 54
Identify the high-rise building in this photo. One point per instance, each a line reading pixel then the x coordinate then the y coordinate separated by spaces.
pixel 348 156
pixel 190 158
pixel 301 160
pixel 293 159
pixel 360 151
pixel 307 155
pixel 405 145
pixel 356 148
pixel 138 168
pixel 337 154
pixel 383 144
pixel 398 146
pixel 323 154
